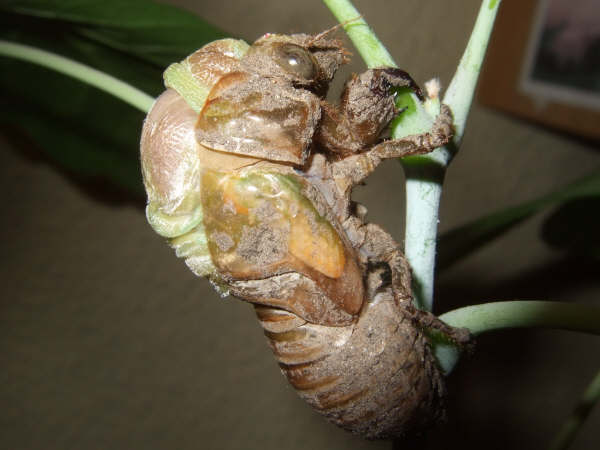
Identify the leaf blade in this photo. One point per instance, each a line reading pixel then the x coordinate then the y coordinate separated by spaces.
pixel 155 32
pixel 74 124
pixel 464 240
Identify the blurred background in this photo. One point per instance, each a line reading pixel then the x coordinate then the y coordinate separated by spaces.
pixel 107 340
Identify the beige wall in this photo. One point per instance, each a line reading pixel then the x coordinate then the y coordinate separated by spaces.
pixel 108 341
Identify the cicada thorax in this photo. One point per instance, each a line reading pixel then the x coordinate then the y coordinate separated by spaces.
pixel 265 118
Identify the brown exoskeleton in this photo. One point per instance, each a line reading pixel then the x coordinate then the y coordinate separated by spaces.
pixel 249 172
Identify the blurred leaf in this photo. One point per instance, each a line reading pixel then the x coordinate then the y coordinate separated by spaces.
pixel 575 227
pixel 151 31
pixel 456 244
pixel 82 129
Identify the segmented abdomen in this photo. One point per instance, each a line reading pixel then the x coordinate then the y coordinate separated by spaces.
pixel 370 377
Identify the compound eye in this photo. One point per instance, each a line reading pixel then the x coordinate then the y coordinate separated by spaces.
pixel 296 60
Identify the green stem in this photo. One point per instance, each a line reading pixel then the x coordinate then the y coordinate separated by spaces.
pixel 370 48
pixel 459 95
pixel 525 314
pixel 566 434
pixel 424 181
pixel 425 174
pixel 517 314
pixel 81 72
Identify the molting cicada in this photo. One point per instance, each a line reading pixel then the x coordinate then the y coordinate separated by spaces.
pixel 249 172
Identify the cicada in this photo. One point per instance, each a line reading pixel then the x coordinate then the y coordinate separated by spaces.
pixel 249 172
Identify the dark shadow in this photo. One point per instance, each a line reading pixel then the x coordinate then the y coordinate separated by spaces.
pixel 550 280
pixel 96 188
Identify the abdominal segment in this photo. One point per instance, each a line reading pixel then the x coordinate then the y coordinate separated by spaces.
pixel 369 377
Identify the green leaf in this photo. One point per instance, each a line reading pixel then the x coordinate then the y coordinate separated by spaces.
pixel 456 244
pixel 85 131
pixel 151 31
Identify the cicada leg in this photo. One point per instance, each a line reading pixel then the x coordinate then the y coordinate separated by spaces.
pixel 417 144
pixel 380 247
pixel 354 169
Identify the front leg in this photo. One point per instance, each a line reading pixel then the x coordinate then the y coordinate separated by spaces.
pixel 350 133
pixel 418 144
pixel 380 247
pixel 366 107
pixel 352 170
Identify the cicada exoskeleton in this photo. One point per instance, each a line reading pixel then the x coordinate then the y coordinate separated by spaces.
pixel 249 172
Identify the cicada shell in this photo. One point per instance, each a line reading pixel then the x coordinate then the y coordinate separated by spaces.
pixel 249 178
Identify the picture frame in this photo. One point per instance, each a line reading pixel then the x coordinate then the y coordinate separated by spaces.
pixel 543 64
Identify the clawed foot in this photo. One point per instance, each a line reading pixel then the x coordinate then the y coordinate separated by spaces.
pixel 462 337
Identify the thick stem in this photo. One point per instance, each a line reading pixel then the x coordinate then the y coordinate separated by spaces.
pixel 89 75
pixel 517 314
pixel 459 95
pixel 424 181
pixel 425 175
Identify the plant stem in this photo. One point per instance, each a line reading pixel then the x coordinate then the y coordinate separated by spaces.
pixel 89 75
pixel 525 314
pixel 459 95
pixel 425 174
pixel 566 434
pixel 424 181
pixel 370 48
pixel 516 314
